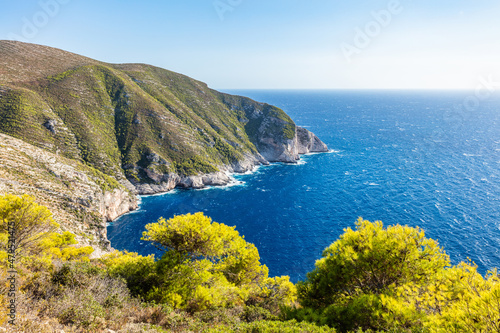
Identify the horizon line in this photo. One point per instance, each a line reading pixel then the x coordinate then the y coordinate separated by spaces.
pixel 352 89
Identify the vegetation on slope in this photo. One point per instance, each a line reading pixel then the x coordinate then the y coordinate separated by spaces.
pixel 209 279
pixel 129 120
pixel 74 191
pixel 119 126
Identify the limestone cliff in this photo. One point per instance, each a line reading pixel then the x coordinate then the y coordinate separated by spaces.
pixel 80 197
pixel 308 142
pixel 85 136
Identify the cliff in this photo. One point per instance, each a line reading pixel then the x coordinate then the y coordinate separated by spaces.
pixel 141 128
pixel 80 197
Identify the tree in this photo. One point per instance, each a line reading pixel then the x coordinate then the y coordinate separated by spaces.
pixel 23 223
pixel 457 299
pixel 345 288
pixel 195 236
pixel 208 264
pixel 60 246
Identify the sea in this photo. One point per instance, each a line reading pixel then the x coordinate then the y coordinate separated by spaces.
pixel 428 159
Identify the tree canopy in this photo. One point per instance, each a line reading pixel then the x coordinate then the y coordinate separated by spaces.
pixel 25 221
pixel 205 264
pixel 371 259
pixel 395 278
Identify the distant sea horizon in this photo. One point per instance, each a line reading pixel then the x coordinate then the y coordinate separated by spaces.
pixel 426 158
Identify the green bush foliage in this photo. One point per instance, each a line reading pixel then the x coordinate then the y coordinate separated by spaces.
pixel 209 279
pixel 205 265
pixel 268 326
pixel 395 278
pixel 25 220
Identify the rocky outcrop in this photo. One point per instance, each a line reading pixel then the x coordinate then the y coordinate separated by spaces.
pixel 308 142
pixel 114 204
pixel 272 149
pixel 212 179
pixel 74 193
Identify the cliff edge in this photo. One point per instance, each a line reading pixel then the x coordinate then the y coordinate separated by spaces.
pixel 132 128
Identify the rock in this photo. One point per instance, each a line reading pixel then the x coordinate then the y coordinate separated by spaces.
pixel 272 148
pixel 216 179
pixel 165 183
pixel 154 158
pixel 191 182
pixel 116 203
pixel 308 142
pixel 233 144
pixel 51 125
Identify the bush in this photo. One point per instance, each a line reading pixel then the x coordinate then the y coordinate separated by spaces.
pixel 345 288
pixel 208 265
pixel 256 313
pixel 79 294
pixel 395 279
pixel 266 326
pixel 27 221
pixel 139 272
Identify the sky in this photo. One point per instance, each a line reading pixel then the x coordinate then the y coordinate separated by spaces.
pixel 277 44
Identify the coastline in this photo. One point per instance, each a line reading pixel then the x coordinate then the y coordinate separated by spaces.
pixel 270 151
pixel 230 175
pixel 232 180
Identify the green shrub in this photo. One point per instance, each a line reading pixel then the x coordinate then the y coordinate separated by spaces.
pixel 395 279
pixel 266 326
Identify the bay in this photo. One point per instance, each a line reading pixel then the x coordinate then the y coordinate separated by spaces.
pixel 420 158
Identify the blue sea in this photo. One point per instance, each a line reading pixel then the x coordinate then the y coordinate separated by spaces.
pixel 419 158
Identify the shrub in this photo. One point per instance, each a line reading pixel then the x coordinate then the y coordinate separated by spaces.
pixel 139 272
pixel 345 288
pixel 27 221
pixel 395 279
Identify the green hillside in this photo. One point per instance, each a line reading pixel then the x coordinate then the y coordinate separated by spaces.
pixel 133 120
pixel 131 128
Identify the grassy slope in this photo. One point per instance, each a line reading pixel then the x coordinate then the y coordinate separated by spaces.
pixel 72 190
pixel 109 123
pixel 123 119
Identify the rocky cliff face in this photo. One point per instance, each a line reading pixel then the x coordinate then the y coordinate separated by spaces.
pixel 115 203
pixel 308 142
pixel 271 149
pixel 304 142
pixel 100 133
pixel 76 194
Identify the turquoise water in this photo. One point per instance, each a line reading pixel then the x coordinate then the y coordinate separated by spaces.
pixel 401 157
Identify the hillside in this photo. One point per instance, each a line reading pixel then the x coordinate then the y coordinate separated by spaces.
pixel 144 129
pixel 81 198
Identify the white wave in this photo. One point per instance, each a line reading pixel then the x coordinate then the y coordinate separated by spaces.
pixel 174 191
pixel 255 169
pixel 232 183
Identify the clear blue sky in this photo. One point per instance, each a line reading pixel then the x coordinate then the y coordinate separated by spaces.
pixel 260 44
